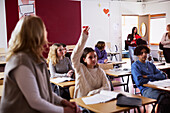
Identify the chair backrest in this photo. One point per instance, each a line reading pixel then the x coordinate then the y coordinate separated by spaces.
pixel 116 48
pixel 70 47
pixel 134 85
pixel 106 66
pixel 108 46
pixel 2 50
pixel 71 90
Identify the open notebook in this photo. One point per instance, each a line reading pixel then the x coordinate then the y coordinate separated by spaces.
pixel 103 96
pixel 61 79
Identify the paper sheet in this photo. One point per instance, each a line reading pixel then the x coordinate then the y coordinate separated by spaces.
pixel 61 79
pixel 103 96
pixel 161 83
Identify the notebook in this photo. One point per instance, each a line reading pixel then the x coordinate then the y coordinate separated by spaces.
pixel 102 97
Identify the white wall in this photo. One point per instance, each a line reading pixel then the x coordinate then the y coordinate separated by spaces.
pixel 103 27
pixel 131 8
pixel 3 32
pixel 157 8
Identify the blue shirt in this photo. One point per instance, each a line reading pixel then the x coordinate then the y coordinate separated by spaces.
pixel 149 69
pixel 102 55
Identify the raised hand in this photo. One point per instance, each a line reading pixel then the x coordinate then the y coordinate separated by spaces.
pixel 86 30
pixel 70 73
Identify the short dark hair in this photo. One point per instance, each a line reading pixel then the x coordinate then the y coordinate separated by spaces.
pixel 100 45
pixel 138 50
pixel 85 52
pixel 64 45
pixel 57 44
pixel 141 42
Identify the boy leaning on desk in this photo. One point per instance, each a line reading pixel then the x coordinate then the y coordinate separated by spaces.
pixel 144 71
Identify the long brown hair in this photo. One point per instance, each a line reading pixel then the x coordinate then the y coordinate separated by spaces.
pixel 28 36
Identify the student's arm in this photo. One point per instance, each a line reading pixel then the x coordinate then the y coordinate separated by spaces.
pixel 164 41
pixel 105 84
pixel 78 50
pixel 28 86
pixel 157 75
pixel 137 76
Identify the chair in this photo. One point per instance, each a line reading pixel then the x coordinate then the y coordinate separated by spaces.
pixel 134 85
pixel 110 52
pixel 106 66
pixel 71 90
pixel 113 83
pixel 161 55
pixel 70 48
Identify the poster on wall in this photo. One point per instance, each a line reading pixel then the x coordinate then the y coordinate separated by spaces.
pixel 26 7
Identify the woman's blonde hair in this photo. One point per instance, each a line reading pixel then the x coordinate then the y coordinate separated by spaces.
pixel 52 55
pixel 28 36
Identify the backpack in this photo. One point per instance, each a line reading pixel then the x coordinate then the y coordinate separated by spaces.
pixel 163 101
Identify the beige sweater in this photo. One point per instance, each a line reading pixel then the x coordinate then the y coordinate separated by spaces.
pixel 88 81
pixel 165 41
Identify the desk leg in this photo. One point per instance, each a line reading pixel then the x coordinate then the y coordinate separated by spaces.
pixel 127 89
pixel 58 89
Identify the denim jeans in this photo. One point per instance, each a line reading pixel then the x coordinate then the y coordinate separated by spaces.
pixel 131 52
pixel 152 93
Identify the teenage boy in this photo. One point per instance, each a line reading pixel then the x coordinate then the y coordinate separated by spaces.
pixel 144 71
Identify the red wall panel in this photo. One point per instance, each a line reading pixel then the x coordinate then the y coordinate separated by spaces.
pixel 11 16
pixel 62 19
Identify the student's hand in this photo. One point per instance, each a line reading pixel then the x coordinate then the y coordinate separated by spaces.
pixel 70 73
pixel 86 30
pixel 69 110
pixel 66 103
pixel 77 108
pixel 144 76
pixel 105 61
pixel 70 107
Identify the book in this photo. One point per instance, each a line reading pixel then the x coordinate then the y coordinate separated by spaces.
pixel 60 79
pixel 102 97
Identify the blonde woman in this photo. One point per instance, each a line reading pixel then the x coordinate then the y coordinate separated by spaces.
pixel 27 86
pixel 59 65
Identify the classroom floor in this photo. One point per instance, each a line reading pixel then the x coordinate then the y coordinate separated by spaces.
pixel 131 89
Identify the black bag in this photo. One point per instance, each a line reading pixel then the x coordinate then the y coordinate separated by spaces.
pixel 160 46
pixel 126 45
pixel 125 101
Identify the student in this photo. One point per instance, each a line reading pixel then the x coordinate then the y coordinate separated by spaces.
pixel 140 42
pixel 27 87
pixel 101 52
pixel 59 65
pixel 132 42
pixel 144 71
pixel 65 51
pixel 90 79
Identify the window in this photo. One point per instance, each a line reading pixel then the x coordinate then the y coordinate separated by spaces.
pixel 157 28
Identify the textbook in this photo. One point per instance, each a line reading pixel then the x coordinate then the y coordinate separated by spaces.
pixel 102 97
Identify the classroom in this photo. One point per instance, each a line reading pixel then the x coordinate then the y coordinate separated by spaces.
pixel 74 52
